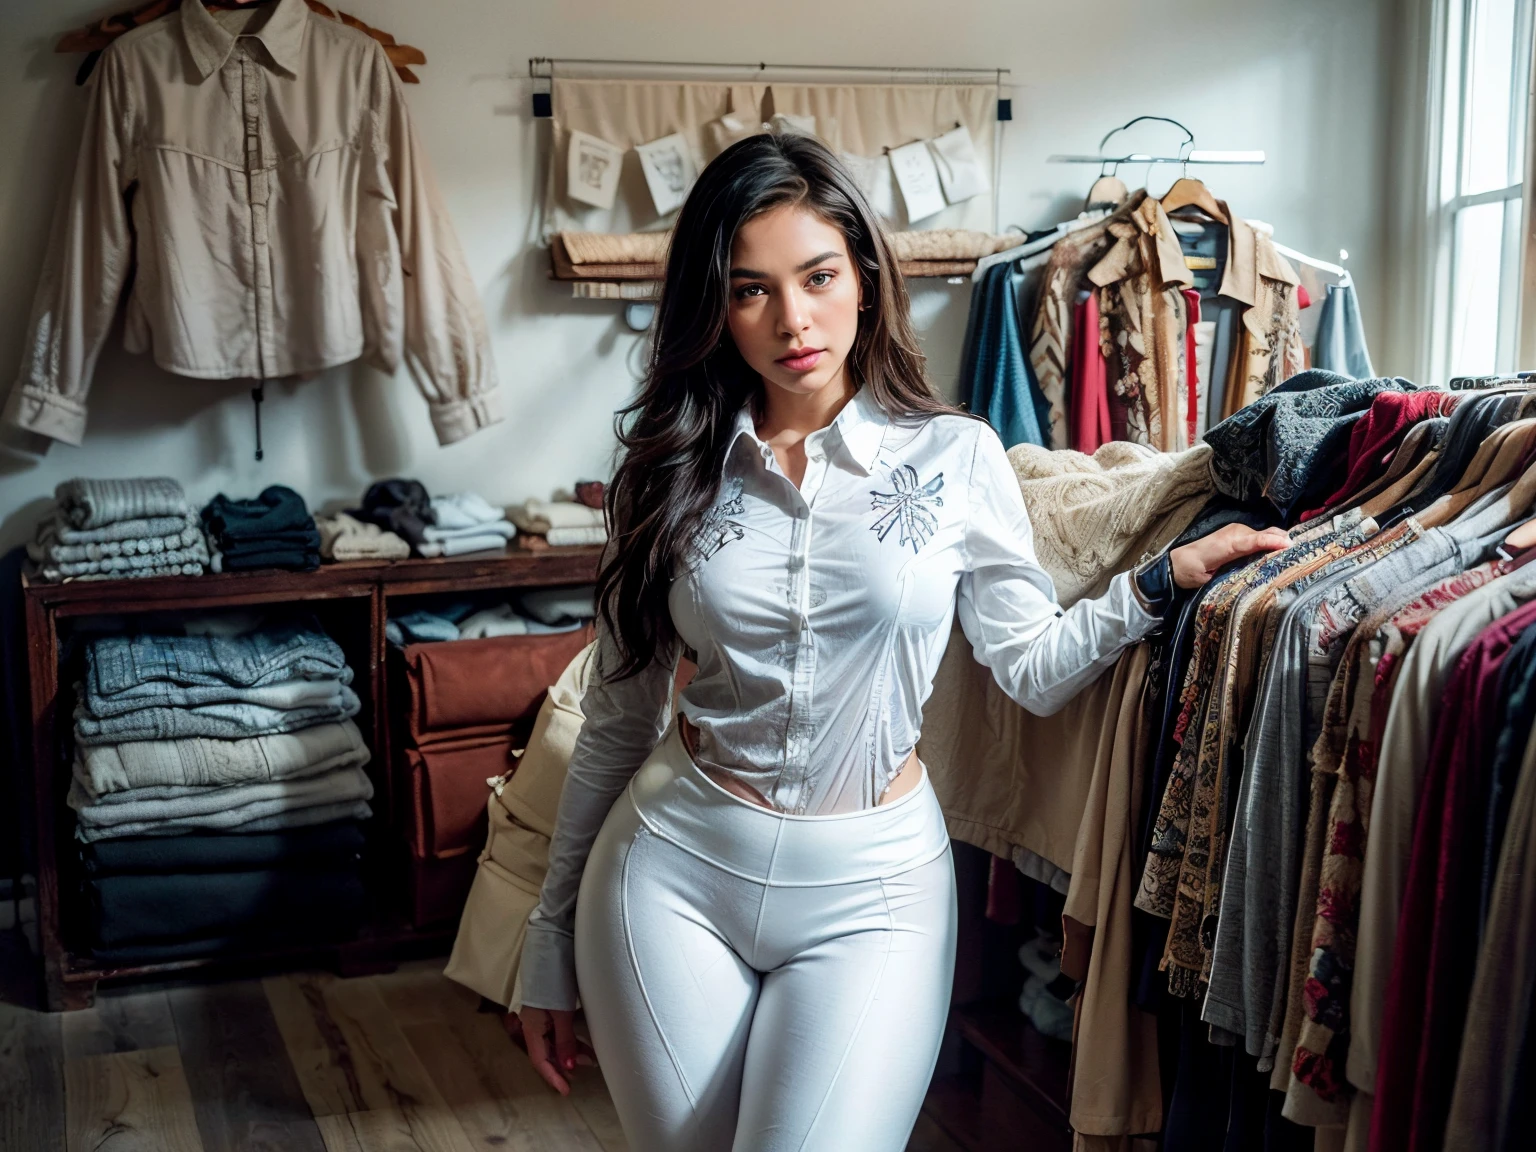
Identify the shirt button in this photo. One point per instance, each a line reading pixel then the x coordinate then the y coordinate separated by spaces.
pixel 796 562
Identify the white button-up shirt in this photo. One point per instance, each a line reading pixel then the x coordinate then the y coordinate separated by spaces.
pixel 267 196
pixel 817 617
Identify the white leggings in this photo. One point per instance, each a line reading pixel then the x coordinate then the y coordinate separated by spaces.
pixel 759 981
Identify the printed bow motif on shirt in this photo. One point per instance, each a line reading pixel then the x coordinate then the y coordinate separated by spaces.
pixel 718 529
pixel 908 506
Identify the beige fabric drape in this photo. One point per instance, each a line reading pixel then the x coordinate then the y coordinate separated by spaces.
pixel 626 113
pixel 866 119
pixel 861 118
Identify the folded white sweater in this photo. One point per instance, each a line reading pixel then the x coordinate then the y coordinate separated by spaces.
pixel 539 516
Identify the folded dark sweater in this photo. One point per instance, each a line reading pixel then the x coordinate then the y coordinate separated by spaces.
pixel 144 909
pixel 299 539
pixel 323 846
pixel 294 559
pixel 277 509
pixel 400 505
pixel 343 925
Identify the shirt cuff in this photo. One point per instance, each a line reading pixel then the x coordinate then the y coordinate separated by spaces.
pixel 1152 585
pixel 46 413
pixel 549 969
pixel 458 419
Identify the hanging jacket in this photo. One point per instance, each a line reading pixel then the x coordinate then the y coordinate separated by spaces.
pixel 1050 347
pixel 1140 281
pixel 267 198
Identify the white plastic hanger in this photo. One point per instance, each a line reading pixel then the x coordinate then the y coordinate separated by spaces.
pixel 1036 247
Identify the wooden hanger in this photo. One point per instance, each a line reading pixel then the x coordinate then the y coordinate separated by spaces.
pixel 1188 192
pixel 1108 191
pixel 94 37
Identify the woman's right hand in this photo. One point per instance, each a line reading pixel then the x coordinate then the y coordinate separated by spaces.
pixel 549 1034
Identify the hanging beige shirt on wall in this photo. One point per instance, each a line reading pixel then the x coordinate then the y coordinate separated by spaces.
pixel 257 177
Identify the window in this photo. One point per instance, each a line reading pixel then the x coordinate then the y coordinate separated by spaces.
pixel 1486 71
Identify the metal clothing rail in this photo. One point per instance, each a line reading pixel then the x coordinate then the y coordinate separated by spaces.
pixel 549 62
pixel 1187 154
pixel 543 68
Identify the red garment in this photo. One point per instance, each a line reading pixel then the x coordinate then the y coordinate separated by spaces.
pixel 1435 956
pixel 1303 297
pixel 1003 892
pixel 1090 428
pixel 1376 435
pixel 1192 309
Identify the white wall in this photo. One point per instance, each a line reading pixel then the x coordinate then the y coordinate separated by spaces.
pixel 1306 80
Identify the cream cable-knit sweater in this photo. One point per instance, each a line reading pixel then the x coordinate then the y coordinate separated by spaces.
pixel 1097 515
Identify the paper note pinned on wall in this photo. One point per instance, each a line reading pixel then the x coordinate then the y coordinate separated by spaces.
pixel 918 179
pixel 669 171
pixel 960 171
pixel 592 170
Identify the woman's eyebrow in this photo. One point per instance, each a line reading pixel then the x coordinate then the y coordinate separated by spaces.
pixel 754 274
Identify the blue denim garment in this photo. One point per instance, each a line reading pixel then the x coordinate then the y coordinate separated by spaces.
pixel 227 720
pixel 441 622
pixel 1340 343
pixel 996 380
pixel 127 672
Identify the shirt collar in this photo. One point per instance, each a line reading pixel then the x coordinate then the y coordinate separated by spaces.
pixel 211 43
pixel 1125 257
pixel 859 426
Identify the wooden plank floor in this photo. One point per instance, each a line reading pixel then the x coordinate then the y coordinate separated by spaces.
pixel 308 1062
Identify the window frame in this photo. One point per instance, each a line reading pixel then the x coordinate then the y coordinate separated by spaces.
pixel 1516 328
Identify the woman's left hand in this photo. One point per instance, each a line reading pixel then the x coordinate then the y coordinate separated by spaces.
pixel 1195 564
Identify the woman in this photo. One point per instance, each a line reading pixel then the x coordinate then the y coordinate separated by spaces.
pixel 755 897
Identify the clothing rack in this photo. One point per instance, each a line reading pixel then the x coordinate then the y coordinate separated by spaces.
pixel 1035 247
pixel 542 68
pixel 1187 153
pixel 1321 265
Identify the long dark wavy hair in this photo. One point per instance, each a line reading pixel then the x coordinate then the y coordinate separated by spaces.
pixel 672 437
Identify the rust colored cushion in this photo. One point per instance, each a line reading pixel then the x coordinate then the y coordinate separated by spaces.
pixel 448 792
pixel 485 683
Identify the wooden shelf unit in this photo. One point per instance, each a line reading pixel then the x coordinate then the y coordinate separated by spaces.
pixel 361 590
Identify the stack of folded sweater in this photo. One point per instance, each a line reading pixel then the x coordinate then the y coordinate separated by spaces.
pixel 561 522
pixel 435 525
pixel 219 788
pixel 464 522
pixel 106 529
pixel 343 537
pixel 397 505
pixel 275 530
pixel 536 612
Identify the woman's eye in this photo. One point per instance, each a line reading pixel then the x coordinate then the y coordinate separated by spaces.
pixel 820 279
pixel 749 290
